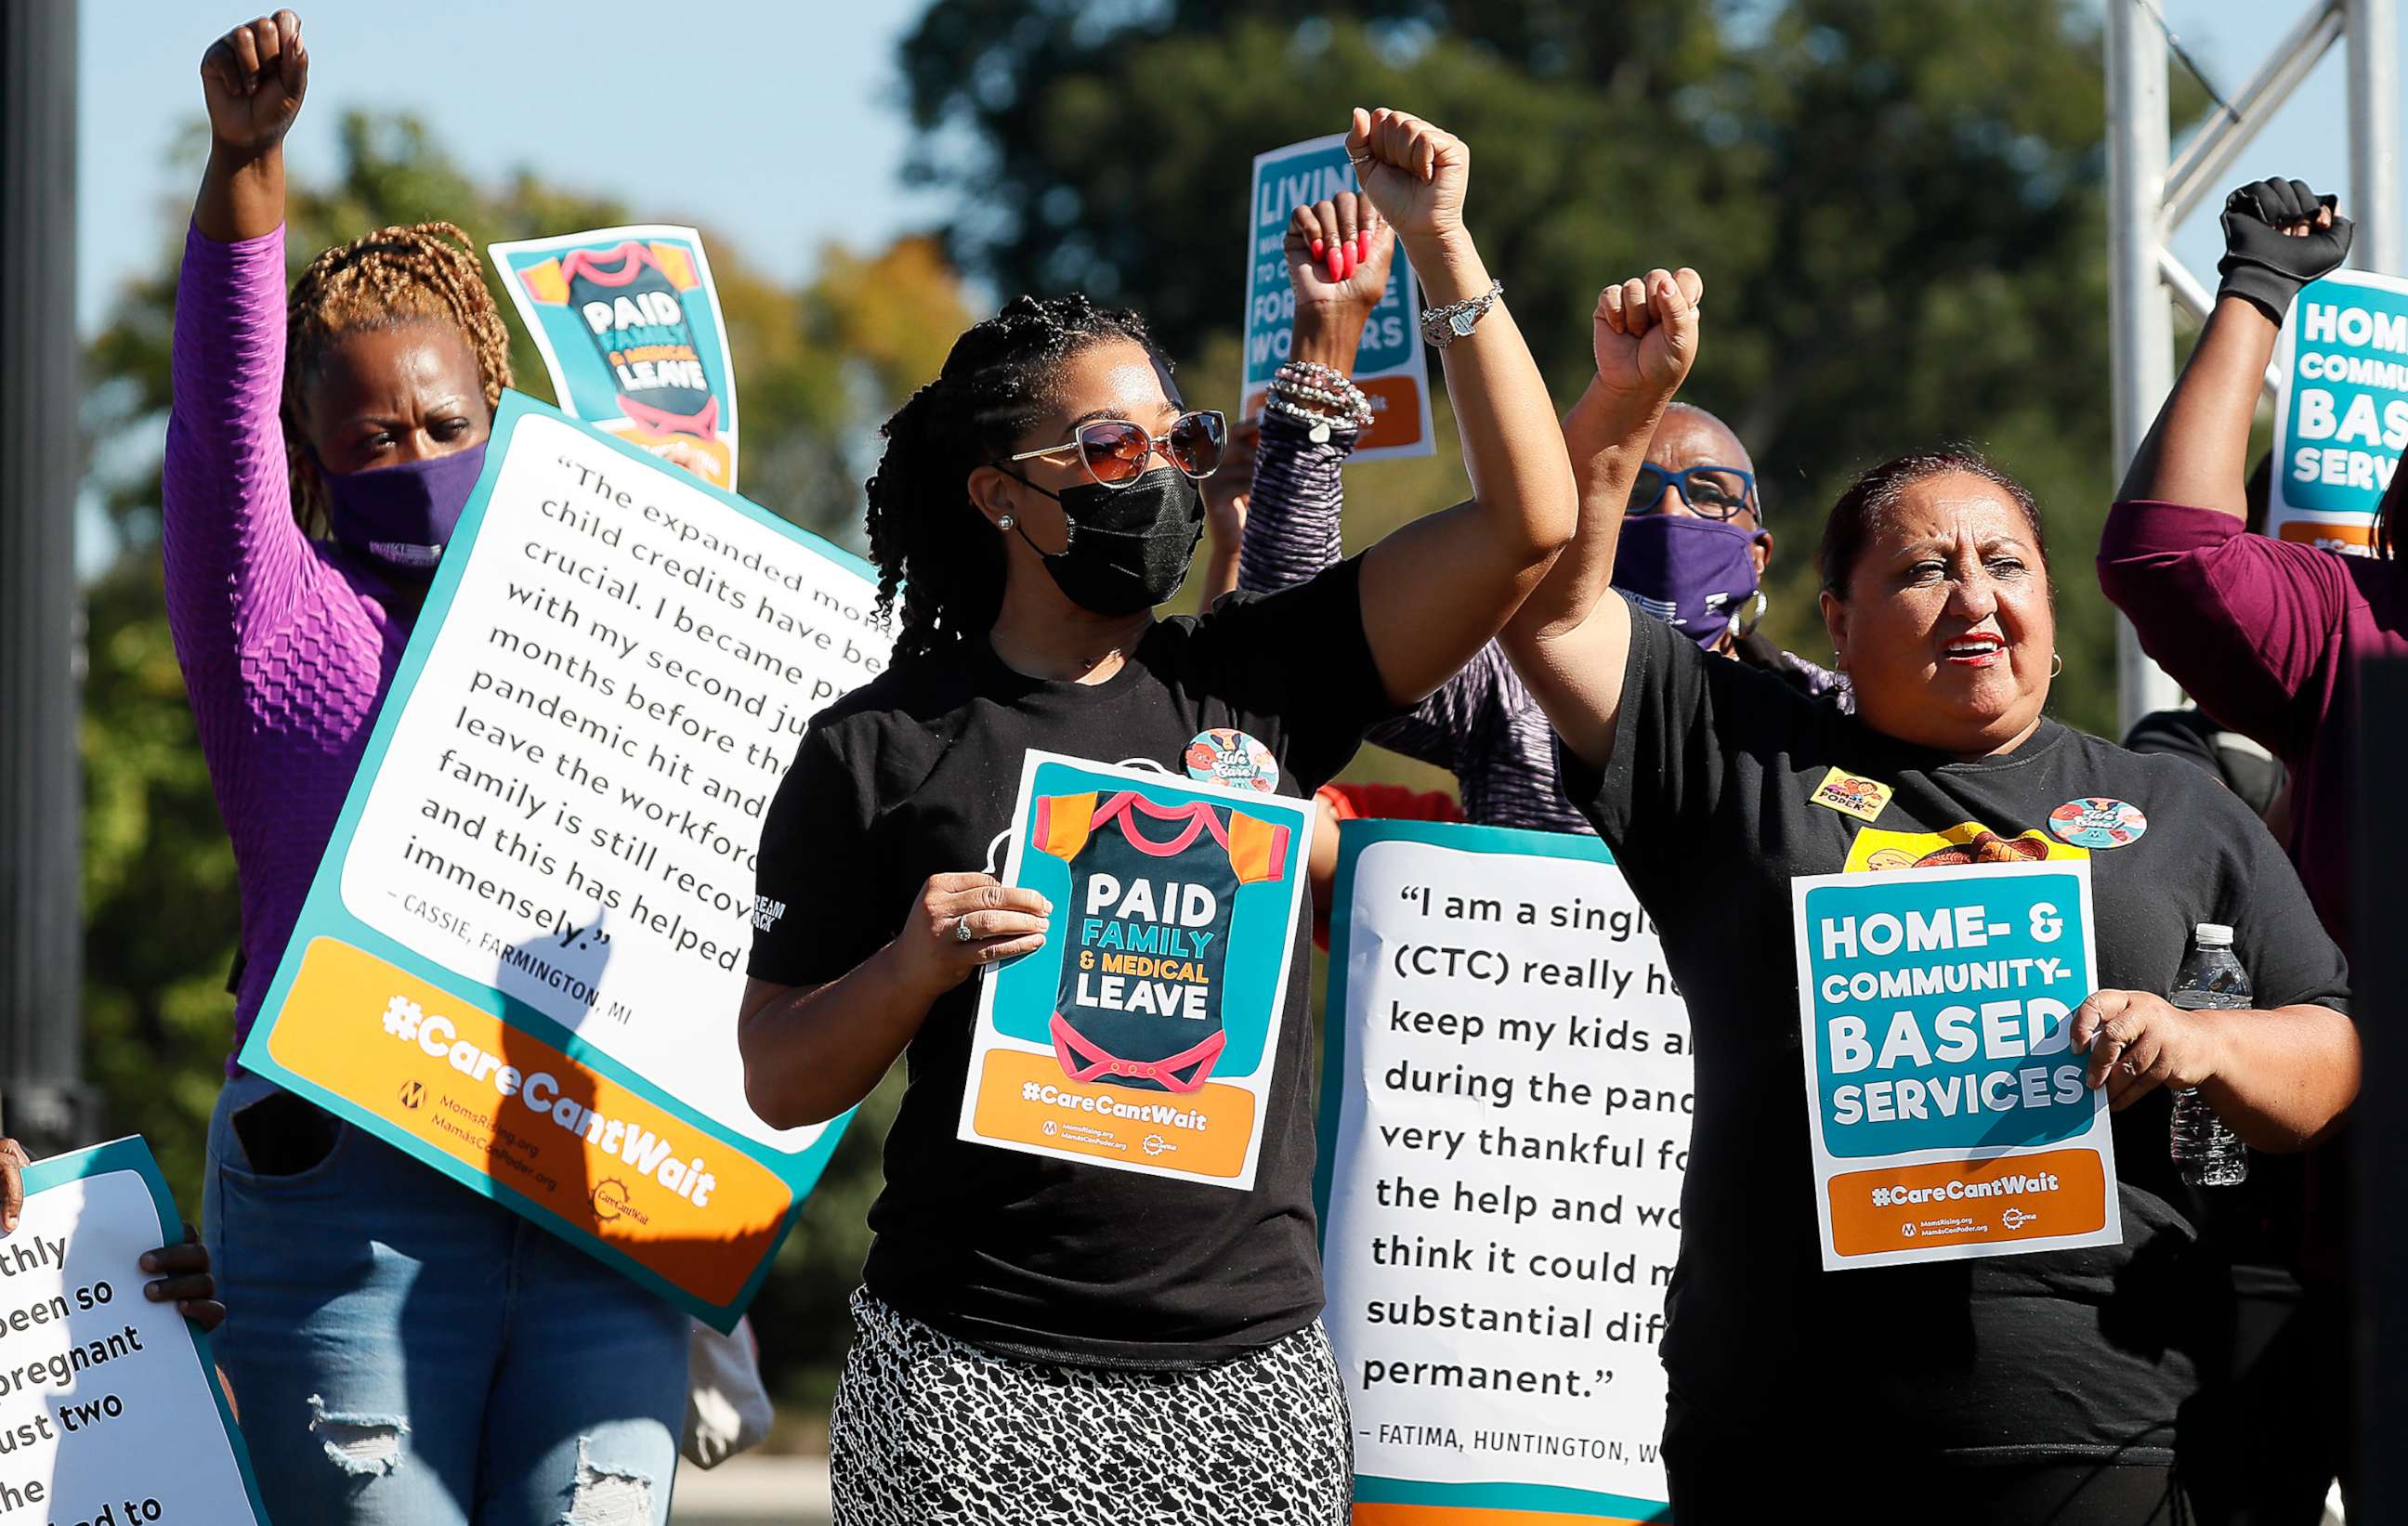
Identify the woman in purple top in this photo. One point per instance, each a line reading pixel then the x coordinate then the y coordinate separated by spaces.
pixel 404 1349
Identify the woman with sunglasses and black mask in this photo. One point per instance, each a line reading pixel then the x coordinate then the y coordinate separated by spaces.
pixel 1041 1340
pixel 1692 553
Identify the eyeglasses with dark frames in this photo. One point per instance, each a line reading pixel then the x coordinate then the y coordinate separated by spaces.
pixel 1712 492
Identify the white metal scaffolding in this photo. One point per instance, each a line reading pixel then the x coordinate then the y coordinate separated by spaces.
pixel 2146 196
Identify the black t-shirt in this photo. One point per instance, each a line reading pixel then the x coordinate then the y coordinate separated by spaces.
pixel 914 774
pixel 1709 805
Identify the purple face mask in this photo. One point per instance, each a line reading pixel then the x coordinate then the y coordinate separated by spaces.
pixel 402 517
pixel 1694 574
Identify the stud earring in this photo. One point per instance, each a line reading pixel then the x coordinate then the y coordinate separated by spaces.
pixel 1004 524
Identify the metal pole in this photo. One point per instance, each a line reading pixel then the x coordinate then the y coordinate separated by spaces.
pixel 41 970
pixel 2374 133
pixel 2197 301
pixel 2211 151
pixel 2139 326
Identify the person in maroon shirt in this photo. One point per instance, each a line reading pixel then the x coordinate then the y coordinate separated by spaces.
pixel 2266 635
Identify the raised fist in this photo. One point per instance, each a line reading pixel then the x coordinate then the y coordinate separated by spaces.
pixel 1645 333
pixel 2278 236
pixel 254 79
pixel 1415 173
pixel 1338 254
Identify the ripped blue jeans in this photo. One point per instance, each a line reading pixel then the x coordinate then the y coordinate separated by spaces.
pixel 401 1351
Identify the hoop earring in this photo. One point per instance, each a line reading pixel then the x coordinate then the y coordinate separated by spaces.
pixel 2056 663
pixel 1004 524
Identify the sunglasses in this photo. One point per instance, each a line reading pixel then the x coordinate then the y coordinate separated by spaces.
pixel 1712 492
pixel 1116 453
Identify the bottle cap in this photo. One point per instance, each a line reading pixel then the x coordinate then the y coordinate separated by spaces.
pixel 2213 936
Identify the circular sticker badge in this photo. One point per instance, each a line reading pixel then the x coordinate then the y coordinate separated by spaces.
pixel 2094 821
pixel 1227 756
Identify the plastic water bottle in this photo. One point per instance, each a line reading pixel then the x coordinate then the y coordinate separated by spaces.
pixel 2205 1148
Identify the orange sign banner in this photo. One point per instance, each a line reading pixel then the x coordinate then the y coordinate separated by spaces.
pixel 2018 1197
pixel 545 1128
pixel 1026 1099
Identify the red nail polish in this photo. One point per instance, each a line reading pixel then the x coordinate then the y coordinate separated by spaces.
pixel 1337 263
pixel 1362 246
pixel 1318 244
pixel 1351 261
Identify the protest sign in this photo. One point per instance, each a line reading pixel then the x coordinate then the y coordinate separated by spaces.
pixel 1142 1037
pixel 1505 1111
pixel 1947 1109
pixel 111 1413
pixel 629 322
pixel 1391 367
pixel 2341 415
pixel 522 956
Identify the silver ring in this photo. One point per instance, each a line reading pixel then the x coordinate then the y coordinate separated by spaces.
pixel 962 933
pixel 1358 164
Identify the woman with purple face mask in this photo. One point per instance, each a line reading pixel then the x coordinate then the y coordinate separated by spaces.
pixel 405 1350
pixel 1276 522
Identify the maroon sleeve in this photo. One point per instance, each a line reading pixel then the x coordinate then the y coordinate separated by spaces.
pixel 2244 622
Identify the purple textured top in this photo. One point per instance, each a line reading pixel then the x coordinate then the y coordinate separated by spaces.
pixel 2265 634
pixel 286 649
pixel 1482 725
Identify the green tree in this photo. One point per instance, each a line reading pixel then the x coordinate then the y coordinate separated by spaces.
pixel 816 364
pixel 1898 210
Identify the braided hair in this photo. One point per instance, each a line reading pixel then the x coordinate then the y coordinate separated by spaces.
pixel 929 542
pixel 392 275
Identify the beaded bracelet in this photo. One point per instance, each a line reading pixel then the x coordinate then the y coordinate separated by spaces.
pixel 1320 395
pixel 1317 426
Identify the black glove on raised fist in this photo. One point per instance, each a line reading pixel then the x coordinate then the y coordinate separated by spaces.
pixel 2263 263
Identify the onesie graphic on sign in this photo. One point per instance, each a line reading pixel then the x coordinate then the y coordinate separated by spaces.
pixel 1154 891
pixel 629 305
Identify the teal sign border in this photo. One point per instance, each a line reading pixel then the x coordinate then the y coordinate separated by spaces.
pixel 324 915
pixel 133 1153
pixel 1354 837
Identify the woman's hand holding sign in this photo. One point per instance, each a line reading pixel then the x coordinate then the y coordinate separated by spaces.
pixel 183 1276
pixel 962 923
pixel 813 1051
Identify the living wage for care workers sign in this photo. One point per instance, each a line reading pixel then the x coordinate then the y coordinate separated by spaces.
pixel 111 1413
pixel 2341 415
pixel 1506 1096
pixel 1947 1105
pixel 522 955
pixel 1391 367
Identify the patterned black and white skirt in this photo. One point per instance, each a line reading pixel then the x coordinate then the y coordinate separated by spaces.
pixel 931 1431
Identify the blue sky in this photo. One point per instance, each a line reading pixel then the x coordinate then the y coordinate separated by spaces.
pixel 510 84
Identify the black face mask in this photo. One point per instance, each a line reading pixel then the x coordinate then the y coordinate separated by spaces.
pixel 1129 547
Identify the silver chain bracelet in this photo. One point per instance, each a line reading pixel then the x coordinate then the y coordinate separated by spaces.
pixel 1444 326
